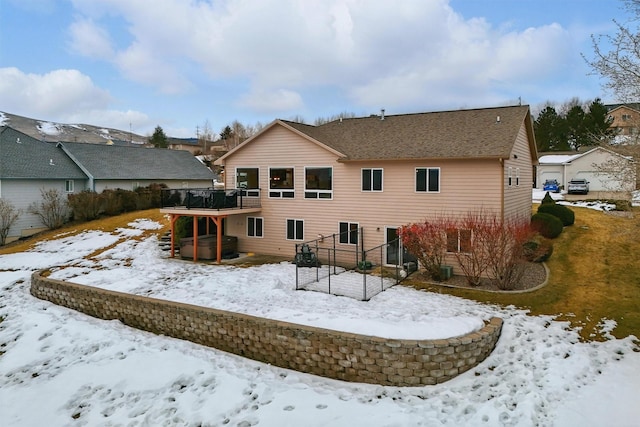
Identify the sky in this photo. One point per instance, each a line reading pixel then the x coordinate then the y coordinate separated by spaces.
pixel 61 367
pixel 186 65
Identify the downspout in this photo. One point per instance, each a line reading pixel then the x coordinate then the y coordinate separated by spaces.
pixel 502 174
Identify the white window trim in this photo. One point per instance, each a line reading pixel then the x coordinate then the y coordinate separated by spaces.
pixel 254 218
pixel 281 192
pixel 349 224
pixel 371 170
pixel 286 229
pixel 251 192
pixel 509 176
pixel 69 186
pixel 315 190
pixel 517 177
pixel 427 168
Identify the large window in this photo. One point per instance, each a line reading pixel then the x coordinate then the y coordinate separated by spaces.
pixel 281 182
pixel 318 183
pixel 248 179
pixel 371 179
pixel 349 233
pixel 254 227
pixel 459 241
pixel 69 186
pixel 428 180
pixel 295 229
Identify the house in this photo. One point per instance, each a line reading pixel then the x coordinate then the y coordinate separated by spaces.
pixel 625 119
pixel 127 167
pixel 28 166
pixel 590 165
pixel 369 176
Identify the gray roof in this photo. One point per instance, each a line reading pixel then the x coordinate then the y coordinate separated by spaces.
pixel 118 162
pixel 24 157
pixel 476 133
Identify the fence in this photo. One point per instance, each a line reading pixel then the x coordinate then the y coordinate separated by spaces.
pixel 207 198
pixel 330 265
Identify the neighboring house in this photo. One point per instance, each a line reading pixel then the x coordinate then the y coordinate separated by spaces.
pixel 625 118
pixel 28 166
pixel 565 167
pixel 377 174
pixel 113 166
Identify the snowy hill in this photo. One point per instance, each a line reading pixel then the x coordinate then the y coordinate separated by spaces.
pixel 51 131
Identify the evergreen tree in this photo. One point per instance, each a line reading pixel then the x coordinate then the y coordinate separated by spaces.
pixel 550 131
pixel 159 139
pixel 598 122
pixel 575 126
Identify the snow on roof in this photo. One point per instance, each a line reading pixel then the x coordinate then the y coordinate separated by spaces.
pixel 558 158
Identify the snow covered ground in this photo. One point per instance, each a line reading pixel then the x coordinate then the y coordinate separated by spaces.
pixel 61 367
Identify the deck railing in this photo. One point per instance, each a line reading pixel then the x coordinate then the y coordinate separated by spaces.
pixel 208 198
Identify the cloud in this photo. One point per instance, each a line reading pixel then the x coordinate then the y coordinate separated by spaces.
pixel 66 96
pixel 377 53
pixel 90 40
pixel 279 100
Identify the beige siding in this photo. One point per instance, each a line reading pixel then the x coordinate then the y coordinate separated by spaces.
pixel 517 196
pixel 396 205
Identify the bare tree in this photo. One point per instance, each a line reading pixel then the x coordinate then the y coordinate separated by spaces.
pixel 620 171
pixel 8 216
pixel 617 58
pixel 52 210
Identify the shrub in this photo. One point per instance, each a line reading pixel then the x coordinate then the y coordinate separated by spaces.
pixel 427 242
pixel 111 202
pixel 85 206
pixel 52 210
pixel 546 224
pixel 561 212
pixel 547 199
pixel 538 249
pixel 8 215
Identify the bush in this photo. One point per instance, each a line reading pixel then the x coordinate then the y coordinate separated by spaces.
pixel 561 212
pixel 546 224
pixel 538 249
pixel 53 209
pixel 85 206
pixel 547 199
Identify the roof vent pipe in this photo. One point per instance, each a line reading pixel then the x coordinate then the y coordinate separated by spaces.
pixel 382 114
pixel 497 119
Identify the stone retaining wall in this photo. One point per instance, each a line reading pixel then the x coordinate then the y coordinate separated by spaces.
pixel 328 353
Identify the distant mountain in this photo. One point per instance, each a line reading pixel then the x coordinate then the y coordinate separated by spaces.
pixel 53 132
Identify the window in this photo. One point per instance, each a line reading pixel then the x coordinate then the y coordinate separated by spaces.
pixel 510 173
pixel 517 177
pixel 68 186
pixel 626 117
pixel 281 182
pixel 318 183
pixel 254 227
pixel 247 178
pixel 428 180
pixel 459 241
pixel 371 179
pixel 295 229
pixel 349 233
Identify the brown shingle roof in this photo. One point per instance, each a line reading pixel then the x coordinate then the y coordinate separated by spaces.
pixel 448 134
